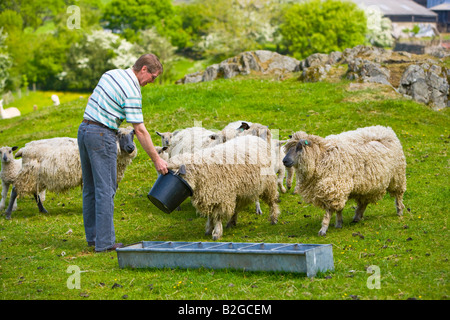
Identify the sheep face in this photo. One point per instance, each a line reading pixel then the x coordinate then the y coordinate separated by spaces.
pixel 166 138
pixel 294 152
pixel 125 139
pixel 6 154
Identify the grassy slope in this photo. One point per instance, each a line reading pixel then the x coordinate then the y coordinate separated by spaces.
pixel 412 252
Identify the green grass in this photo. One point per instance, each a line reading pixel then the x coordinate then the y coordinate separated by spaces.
pixel 412 252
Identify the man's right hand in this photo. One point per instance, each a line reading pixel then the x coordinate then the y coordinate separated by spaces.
pixel 161 166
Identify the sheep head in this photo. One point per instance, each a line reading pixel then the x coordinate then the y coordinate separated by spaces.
pixel 166 138
pixel 125 140
pixel 296 146
pixel 6 153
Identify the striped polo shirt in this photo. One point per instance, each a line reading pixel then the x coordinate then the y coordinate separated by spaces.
pixel 116 97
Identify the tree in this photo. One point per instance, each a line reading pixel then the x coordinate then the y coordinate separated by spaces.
pixel 378 28
pixel 5 61
pixel 223 28
pixel 322 26
pixel 129 16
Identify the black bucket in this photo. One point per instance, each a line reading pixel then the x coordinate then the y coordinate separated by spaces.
pixel 169 191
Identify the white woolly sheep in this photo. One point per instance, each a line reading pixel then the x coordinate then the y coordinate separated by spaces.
pixel 245 128
pixel 9 112
pixel 189 140
pixel 362 164
pixel 55 100
pixel 54 165
pixel 226 178
pixel 8 174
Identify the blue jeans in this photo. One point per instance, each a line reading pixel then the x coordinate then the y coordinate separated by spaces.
pixel 98 155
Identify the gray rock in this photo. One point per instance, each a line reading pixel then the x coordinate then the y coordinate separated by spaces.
pixel 426 84
pixel 367 71
pixel 263 61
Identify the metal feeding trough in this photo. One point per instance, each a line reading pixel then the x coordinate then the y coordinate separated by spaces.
pixel 287 257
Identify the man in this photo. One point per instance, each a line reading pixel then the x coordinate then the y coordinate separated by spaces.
pixel 117 97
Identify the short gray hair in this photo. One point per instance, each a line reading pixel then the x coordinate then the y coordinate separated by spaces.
pixel 149 60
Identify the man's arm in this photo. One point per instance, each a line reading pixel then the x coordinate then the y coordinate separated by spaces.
pixel 146 142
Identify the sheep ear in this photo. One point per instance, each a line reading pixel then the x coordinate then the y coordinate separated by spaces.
pixel 159 134
pixel 244 126
pixel 182 169
pixel 14 148
pixel 290 136
pixel 165 148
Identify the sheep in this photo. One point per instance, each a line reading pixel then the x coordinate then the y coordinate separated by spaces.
pixel 162 151
pixel 166 138
pixel 54 165
pixel 55 100
pixel 8 174
pixel 227 177
pixel 236 124
pixel 9 112
pixel 189 140
pixel 360 164
pixel 246 128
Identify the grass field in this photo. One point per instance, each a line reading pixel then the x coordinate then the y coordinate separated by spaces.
pixel 411 252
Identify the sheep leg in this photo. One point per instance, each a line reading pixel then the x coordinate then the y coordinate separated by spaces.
pixel 339 220
pixel 325 222
pixel 297 186
pixel 258 208
pixel 39 204
pixel 280 180
pixel 289 177
pixel 359 211
pixel 270 196
pixel 399 204
pixel 208 227
pixel 5 188
pixel 218 229
pixel 233 220
pixel 12 200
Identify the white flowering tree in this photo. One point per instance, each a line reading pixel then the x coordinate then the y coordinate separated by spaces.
pixel 99 51
pixel 5 61
pixel 379 28
pixel 230 27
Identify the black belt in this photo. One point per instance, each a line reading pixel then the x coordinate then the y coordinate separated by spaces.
pixel 97 124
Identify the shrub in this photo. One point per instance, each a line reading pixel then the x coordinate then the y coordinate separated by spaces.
pixel 322 26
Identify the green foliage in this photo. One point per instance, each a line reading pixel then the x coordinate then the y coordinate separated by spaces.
pixel 322 26
pixel 224 28
pixel 5 61
pixel 124 16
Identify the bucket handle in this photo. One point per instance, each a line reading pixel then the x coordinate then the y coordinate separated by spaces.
pixel 181 170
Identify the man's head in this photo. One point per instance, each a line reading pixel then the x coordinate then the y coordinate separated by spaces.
pixel 147 68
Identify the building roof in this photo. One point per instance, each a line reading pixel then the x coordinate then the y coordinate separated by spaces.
pixel 441 7
pixel 397 7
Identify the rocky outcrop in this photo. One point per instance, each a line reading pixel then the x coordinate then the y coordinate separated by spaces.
pixel 367 71
pixel 260 62
pixel 417 76
pixel 424 78
pixel 426 84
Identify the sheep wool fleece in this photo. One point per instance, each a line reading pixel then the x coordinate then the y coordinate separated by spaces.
pixel 98 155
